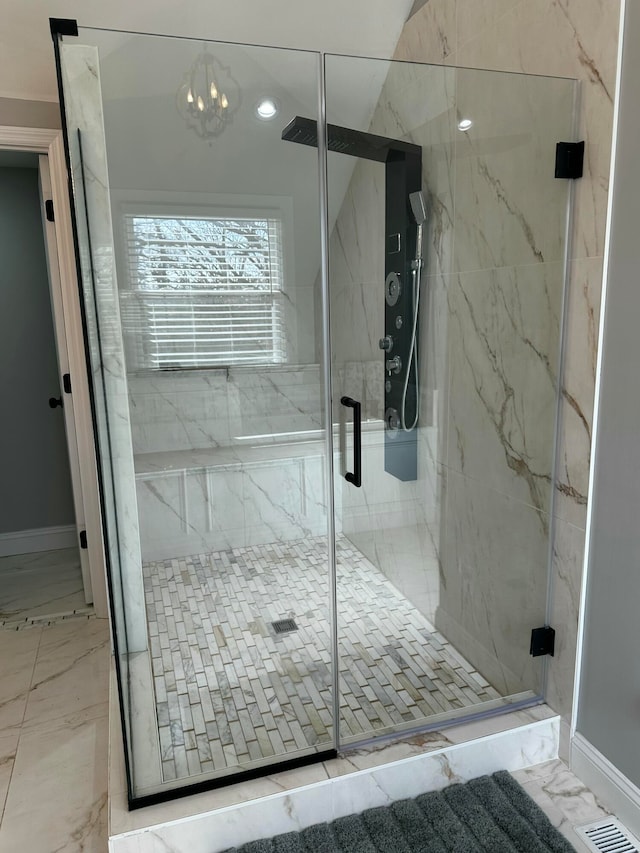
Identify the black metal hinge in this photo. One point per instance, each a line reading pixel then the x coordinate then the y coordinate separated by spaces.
pixel 569 159
pixel 48 210
pixel 543 641
pixel 63 26
pixel 83 540
pixel 66 382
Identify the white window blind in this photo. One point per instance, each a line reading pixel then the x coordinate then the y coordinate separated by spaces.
pixel 203 291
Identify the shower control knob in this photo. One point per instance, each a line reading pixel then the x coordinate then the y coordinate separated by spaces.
pixel 386 343
pixel 392 420
pixel 394 365
pixel 392 288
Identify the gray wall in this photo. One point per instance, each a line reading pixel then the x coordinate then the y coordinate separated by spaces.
pixel 609 703
pixel 35 487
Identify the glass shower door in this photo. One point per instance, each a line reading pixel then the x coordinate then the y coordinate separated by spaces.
pixel 197 200
pixel 446 267
pixel 200 253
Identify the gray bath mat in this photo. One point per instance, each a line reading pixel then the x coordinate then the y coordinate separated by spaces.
pixel 491 814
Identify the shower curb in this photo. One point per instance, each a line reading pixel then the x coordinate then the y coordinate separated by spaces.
pixel 218 829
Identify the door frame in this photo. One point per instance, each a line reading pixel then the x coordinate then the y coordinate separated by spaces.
pixel 64 369
pixel 49 141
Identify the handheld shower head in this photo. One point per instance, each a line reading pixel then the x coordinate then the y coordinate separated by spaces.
pixel 418 206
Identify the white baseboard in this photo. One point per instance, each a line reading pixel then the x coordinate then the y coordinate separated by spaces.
pixel 611 787
pixel 38 539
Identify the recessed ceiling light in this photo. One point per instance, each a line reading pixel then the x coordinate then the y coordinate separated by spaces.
pixel 266 109
pixel 465 124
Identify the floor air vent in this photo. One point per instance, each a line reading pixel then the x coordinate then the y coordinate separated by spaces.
pixel 283 626
pixel 608 836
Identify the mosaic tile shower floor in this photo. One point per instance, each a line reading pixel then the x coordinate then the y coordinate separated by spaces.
pixel 230 690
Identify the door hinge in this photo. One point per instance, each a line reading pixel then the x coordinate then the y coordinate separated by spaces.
pixel 48 209
pixel 569 159
pixel 66 382
pixel 543 641
pixel 83 540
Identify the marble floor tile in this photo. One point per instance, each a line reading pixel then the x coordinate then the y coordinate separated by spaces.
pixel 39 585
pixel 70 676
pixel 566 801
pixel 230 689
pixel 53 737
pixel 8 747
pixel 18 652
pixel 57 798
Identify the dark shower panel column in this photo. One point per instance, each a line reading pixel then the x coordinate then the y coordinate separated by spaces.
pixel 403 176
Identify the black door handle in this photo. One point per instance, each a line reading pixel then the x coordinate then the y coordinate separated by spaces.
pixel 55 401
pixel 355 476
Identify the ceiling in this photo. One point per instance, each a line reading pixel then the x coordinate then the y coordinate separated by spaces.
pixel 359 27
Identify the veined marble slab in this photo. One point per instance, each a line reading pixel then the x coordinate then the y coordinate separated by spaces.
pixel 325 800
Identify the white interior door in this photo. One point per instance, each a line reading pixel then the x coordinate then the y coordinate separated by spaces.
pixel 64 372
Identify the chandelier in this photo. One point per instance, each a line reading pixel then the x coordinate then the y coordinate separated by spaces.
pixel 208 97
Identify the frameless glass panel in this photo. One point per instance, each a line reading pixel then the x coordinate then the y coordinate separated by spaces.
pixel 447 240
pixel 201 261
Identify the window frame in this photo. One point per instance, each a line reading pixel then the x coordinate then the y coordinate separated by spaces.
pixel 206 206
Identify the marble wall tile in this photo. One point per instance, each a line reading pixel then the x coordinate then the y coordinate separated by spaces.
pixel 474 17
pixel 357 244
pixel 83 110
pixel 583 317
pixel 267 498
pixel 568 39
pixel 568 555
pixel 509 208
pixel 357 311
pixel 274 504
pixel 434 352
pixel 430 35
pixel 418 103
pixel 178 411
pixel 595 124
pixel 572 39
pixel 565 39
pixel 493 583
pixel 205 409
pixel 162 509
pixel 408 557
pixel 504 328
pixel 263 401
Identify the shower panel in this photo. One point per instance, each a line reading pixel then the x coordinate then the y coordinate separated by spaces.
pixel 403 264
pixel 266 612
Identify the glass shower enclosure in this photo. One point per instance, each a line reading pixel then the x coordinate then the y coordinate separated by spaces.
pixel 323 310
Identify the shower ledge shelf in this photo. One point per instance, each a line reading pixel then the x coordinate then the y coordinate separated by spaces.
pixel 216 820
pixel 245 453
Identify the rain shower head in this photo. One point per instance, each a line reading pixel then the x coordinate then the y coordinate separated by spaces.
pixel 418 206
pixel 345 140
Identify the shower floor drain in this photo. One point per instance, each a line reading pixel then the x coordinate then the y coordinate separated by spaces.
pixel 284 626
pixel 608 835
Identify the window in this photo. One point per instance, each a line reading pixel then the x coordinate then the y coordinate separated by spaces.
pixel 203 291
